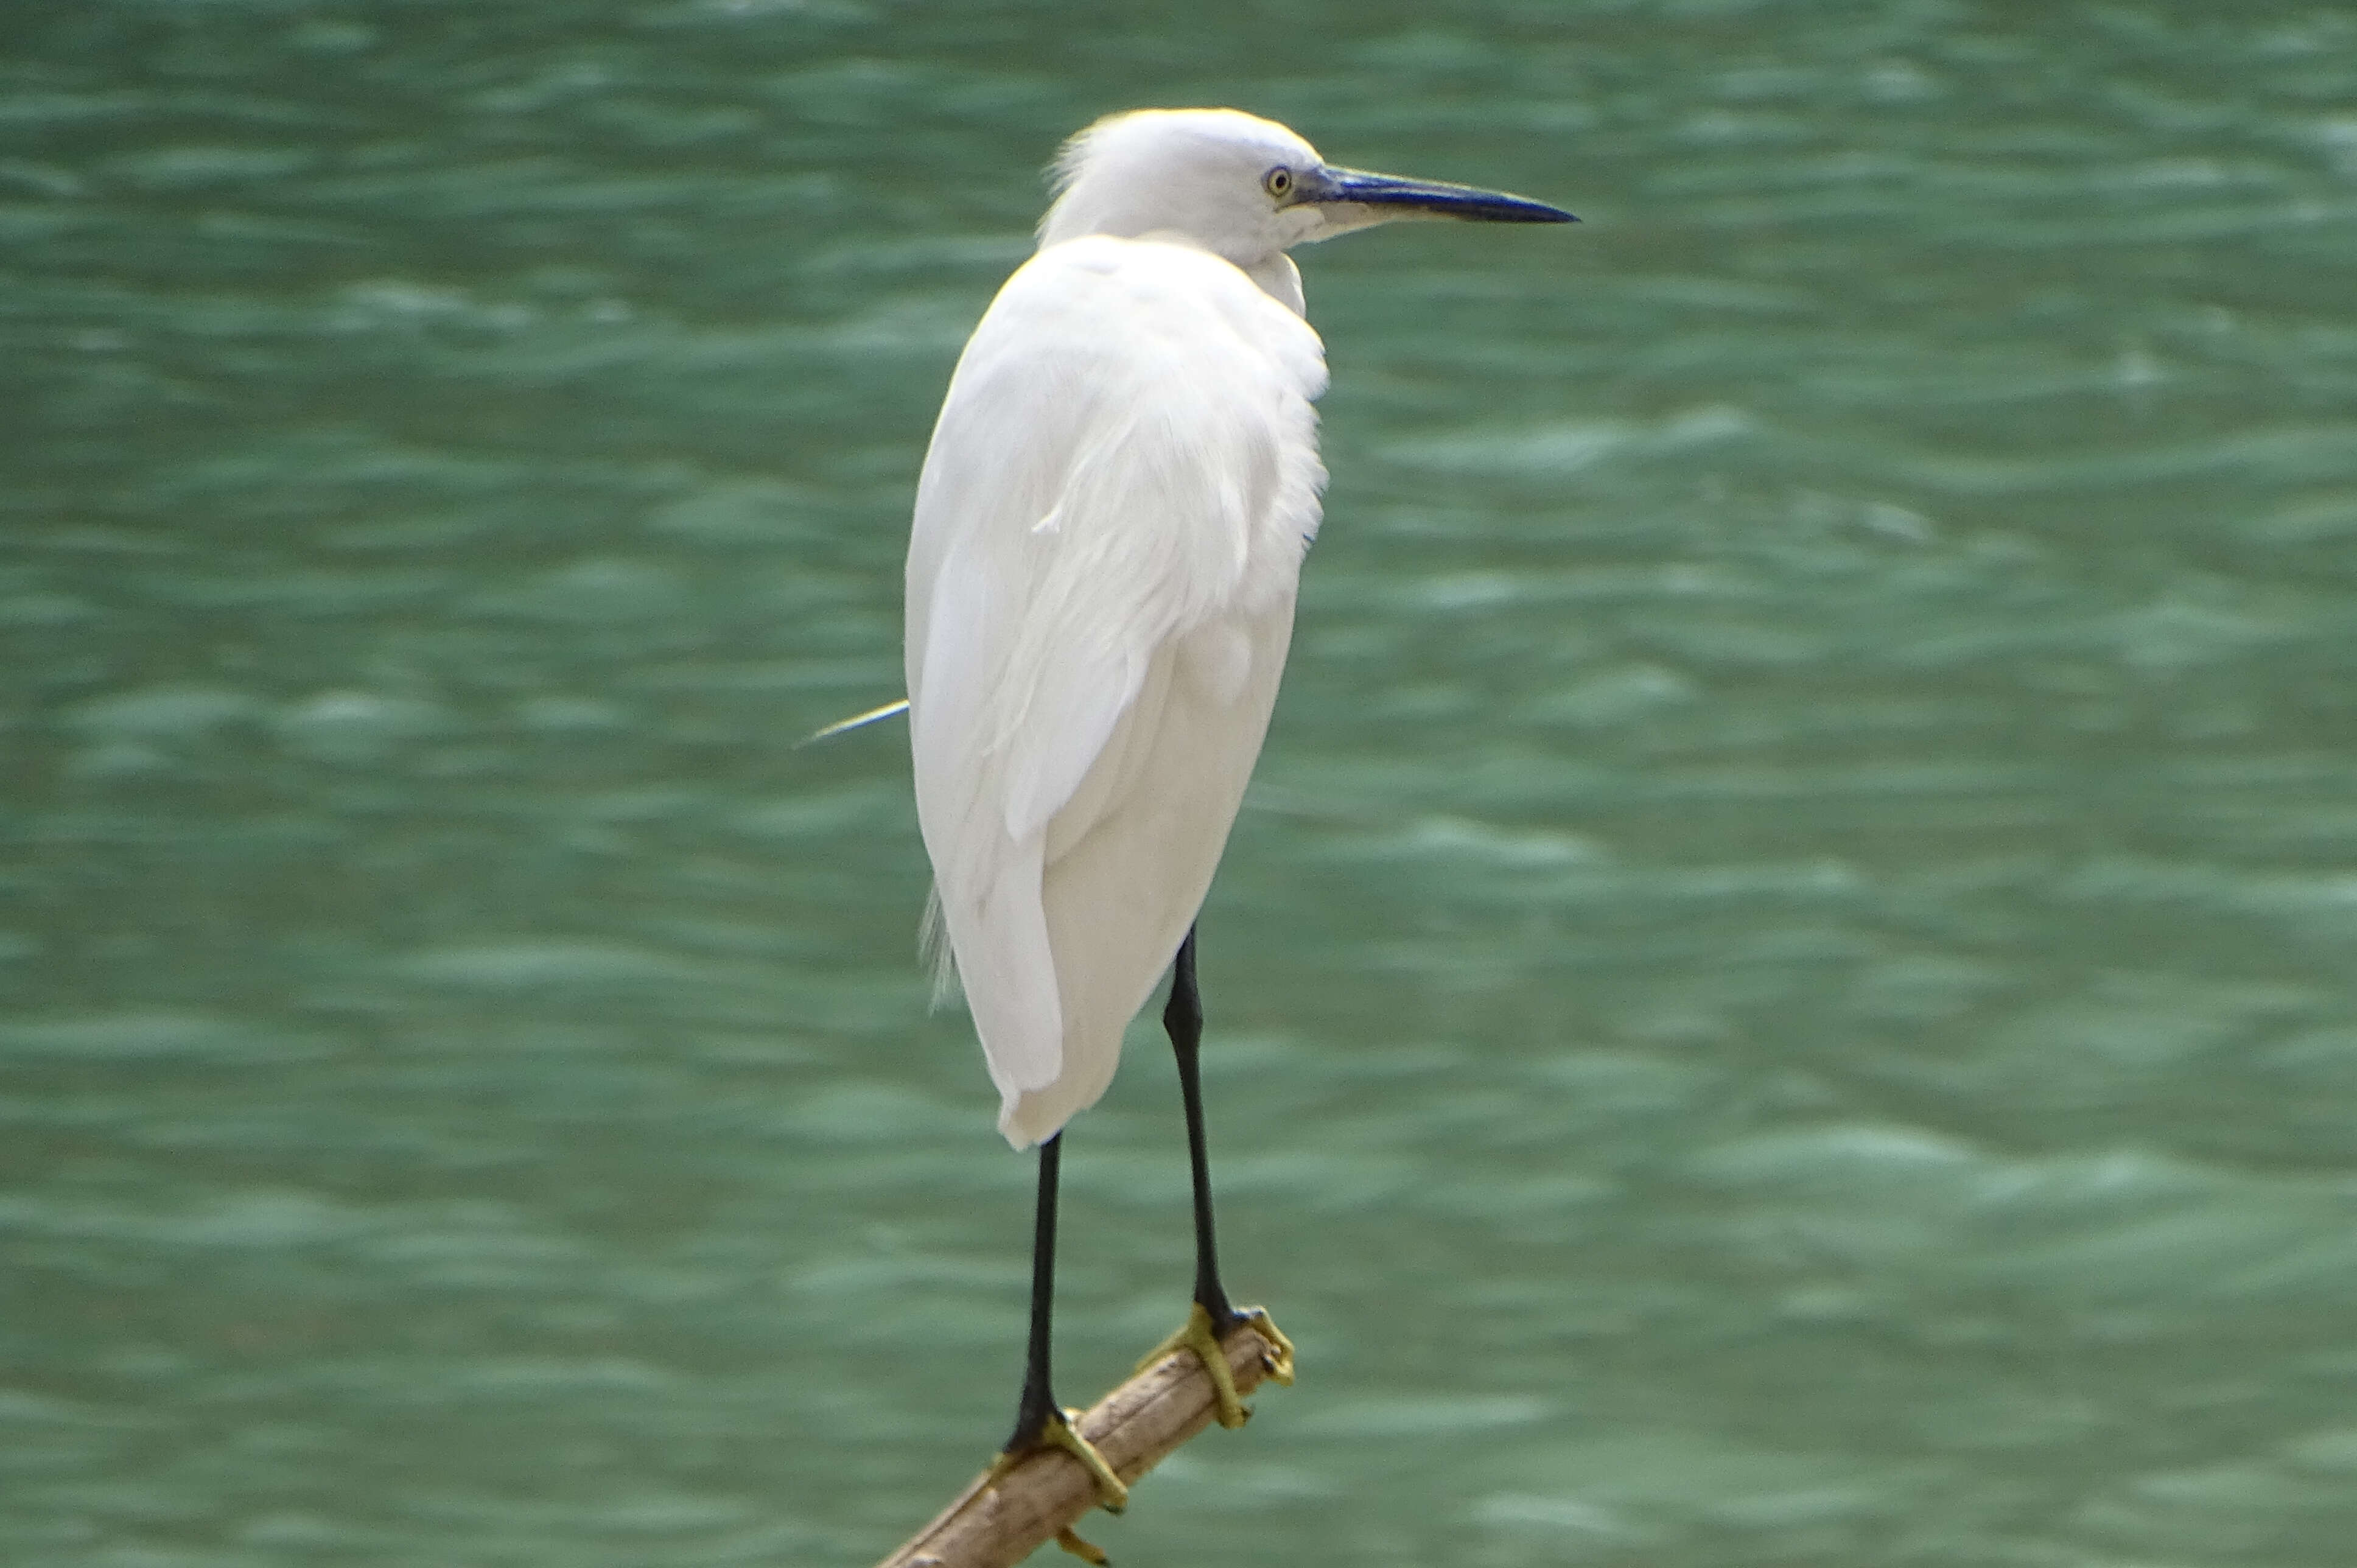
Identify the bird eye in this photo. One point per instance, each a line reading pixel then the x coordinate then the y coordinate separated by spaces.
pixel 1277 181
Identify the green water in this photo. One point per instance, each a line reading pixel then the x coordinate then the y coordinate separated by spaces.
pixel 1782 995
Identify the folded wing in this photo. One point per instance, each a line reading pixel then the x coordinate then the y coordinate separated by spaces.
pixel 1101 579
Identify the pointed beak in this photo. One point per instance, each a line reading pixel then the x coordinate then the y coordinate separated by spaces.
pixel 1392 196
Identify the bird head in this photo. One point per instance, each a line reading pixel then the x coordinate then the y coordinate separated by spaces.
pixel 1240 186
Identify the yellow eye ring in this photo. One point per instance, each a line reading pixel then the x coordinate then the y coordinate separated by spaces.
pixel 1277 181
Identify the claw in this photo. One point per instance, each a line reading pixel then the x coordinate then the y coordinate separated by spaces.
pixel 1060 1432
pixel 1278 1360
pixel 1202 1341
pixel 1070 1540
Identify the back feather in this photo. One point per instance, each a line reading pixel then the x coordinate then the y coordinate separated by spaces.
pixel 1125 462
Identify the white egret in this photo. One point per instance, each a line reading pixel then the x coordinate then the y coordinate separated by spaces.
pixel 1108 537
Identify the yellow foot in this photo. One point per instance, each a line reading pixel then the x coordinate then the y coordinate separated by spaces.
pixel 1060 1433
pixel 1279 1359
pixel 1071 1542
pixel 1198 1338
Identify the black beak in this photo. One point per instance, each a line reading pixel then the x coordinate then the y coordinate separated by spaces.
pixel 1437 197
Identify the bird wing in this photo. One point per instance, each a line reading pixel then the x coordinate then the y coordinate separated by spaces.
pixel 1125 465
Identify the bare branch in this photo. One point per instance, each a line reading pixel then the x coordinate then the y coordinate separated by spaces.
pixel 1134 1427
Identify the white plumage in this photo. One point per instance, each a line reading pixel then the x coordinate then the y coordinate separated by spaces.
pixel 1101 579
pixel 1101 589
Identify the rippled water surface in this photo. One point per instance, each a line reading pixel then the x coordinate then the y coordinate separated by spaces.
pixel 1782 995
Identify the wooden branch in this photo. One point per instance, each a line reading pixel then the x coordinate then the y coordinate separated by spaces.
pixel 1135 1427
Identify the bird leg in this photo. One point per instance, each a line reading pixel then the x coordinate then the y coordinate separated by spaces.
pixel 1039 1421
pixel 1213 1317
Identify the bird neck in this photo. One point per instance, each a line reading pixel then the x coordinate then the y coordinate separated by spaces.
pixel 1280 280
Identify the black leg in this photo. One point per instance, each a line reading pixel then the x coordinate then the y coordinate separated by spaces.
pixel 1039 1421
pixel 1183 1019
pixel 1038 1407
pixel 1213 1317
